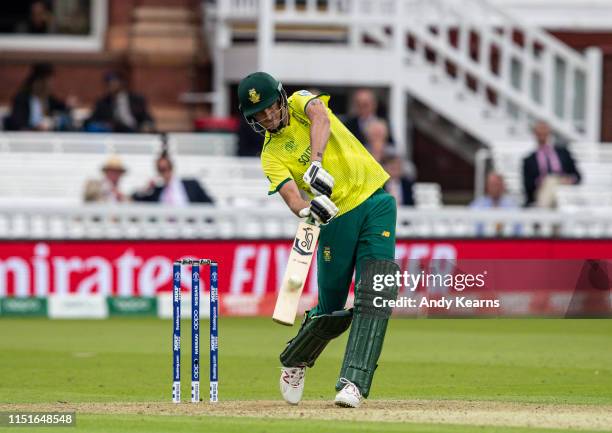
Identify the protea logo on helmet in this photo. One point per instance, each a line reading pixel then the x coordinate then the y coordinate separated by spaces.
pixel 254 97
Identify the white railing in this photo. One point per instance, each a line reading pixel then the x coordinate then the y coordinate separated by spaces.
pixel 125 144
pixel 515 71
pixel 208 222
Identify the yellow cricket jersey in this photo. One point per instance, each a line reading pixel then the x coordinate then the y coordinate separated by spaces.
pixel 286 156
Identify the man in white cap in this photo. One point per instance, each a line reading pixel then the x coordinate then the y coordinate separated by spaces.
pixel 107 189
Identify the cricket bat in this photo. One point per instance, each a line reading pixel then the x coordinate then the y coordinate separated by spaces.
pixel 300 258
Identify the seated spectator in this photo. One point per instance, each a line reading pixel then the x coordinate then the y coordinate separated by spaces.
pixel 549 165
pixel 35 108
pixel 106 189
pixel 40 20
pixel 399 185
pixel 171 190
pixel 377 138
pixel 364 108
pixel 364 105
pixel 495 195
pixel 120 110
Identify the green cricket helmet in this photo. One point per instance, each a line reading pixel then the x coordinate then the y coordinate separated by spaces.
pixel 258 91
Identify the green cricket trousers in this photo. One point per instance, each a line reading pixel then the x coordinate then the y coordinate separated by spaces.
pixel 368 231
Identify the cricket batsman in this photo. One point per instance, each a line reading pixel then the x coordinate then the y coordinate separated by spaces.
pixel 307 149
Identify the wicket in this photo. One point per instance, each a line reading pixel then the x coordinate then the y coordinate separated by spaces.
pixel 195 329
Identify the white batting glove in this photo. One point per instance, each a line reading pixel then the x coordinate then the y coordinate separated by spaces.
pixel 319 180
pixel 322 209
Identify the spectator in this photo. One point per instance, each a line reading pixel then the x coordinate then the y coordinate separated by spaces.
pixel 107 189
pixel 170 189
pixel 399 185
pixel 549 165
pixel 35 108
pixel 120 110
pixel 364 106
pixel 495 195
pixel 40 21
pixel 377 138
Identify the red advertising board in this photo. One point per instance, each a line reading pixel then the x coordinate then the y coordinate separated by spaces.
pixel 246 267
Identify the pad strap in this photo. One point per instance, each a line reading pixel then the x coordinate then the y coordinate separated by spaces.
pixel 313 336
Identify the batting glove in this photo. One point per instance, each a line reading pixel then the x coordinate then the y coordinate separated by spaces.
pixel 322 209
pixel 319 180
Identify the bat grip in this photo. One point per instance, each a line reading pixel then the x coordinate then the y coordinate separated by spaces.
pixel 310 220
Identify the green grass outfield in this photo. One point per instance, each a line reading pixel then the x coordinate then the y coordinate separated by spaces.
pixel 544 361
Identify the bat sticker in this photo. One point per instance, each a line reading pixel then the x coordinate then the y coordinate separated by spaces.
pixel 302 247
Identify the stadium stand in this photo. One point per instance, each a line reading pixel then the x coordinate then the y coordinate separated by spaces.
pixel 488 80
pixel 42 176
pixel 53 167
pixel 480 77
pixel 594 161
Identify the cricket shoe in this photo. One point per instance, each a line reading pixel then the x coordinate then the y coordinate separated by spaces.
pixel 349 396
pixel 292 383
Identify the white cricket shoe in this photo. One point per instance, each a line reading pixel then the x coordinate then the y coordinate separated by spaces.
pixel 349 396
pixel 292 383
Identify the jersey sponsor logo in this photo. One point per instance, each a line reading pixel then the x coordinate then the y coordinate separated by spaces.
pixel 254 97
pixel 386 233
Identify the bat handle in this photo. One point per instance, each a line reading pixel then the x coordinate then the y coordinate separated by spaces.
pixel 310 220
